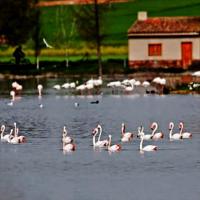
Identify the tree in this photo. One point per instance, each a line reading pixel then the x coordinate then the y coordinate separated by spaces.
pixel 89 25
pixel 17 20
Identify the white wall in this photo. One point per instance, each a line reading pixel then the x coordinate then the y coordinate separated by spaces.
pixel 171 48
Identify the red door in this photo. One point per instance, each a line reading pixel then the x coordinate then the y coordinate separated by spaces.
pixel 186 49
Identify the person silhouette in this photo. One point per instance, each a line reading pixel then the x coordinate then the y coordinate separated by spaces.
pixel 18 54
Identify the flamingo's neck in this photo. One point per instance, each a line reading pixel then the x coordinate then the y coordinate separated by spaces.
pixel 141 143
pixel 93 140
pixel 11 131
pixel 109 142
pixel 123 129
pixel 40 93
pixel 142 132
pixel 154 130
pixel 131 85
pixel 15 129
pixel 181 130
pixel 2 131
pixel 171 130
pixel 100 131
pixel 139 131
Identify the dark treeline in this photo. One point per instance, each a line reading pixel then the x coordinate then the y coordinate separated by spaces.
pixel 17 20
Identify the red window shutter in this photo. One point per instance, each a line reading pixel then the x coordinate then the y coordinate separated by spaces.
pixel 155 50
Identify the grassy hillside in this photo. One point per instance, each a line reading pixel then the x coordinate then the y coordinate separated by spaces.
pixel 57 22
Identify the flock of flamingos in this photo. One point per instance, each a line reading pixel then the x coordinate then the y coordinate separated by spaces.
pixel 68 144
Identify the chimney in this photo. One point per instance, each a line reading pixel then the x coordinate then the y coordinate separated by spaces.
pixel 142 16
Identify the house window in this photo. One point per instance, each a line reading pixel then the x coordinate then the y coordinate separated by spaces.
pixel 155 50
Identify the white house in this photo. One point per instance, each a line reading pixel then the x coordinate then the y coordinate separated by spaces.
pixel 164 41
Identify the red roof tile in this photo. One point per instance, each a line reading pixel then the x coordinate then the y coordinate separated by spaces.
pixel 166 25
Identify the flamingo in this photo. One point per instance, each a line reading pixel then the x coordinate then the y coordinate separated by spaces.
pixel 66 139
pixel 69 147
pixel 145 84
pixel 72 85
pixel 113 148
pixel 129 88
pixel 81 88
pixel 57 87
pixel 148 147
pixel 21 138
pixel 65 85
pixel 137 83
pixel 99 138
pixel 12 94
pixel 13 139
pixel 126 136
pixel 185 135
pixel 145 136
pixel 175 136
pixel 158 135
pixel 5 138
pixel 197 73
pixel 40 88
pixel 98 143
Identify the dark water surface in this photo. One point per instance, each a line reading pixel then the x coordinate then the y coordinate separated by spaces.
pixel 40 170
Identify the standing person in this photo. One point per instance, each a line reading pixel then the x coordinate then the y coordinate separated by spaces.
pixel 18 54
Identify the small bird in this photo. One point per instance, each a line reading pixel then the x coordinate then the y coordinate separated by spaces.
pixel 76 104
pixel 94 102
pixel 47 45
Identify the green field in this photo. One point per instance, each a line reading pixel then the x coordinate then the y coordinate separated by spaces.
pixel 57 26
pixel 57 21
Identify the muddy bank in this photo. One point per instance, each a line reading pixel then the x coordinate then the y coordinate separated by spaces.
pixel 173 79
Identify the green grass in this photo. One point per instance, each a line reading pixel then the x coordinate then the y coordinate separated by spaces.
pixel 10 59
pixel 57 21
pixel 58 29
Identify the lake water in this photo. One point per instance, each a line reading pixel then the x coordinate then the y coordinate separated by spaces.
pixel 39 169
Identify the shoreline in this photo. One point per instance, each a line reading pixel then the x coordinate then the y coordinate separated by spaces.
pixel 172 78
pixel 173 86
